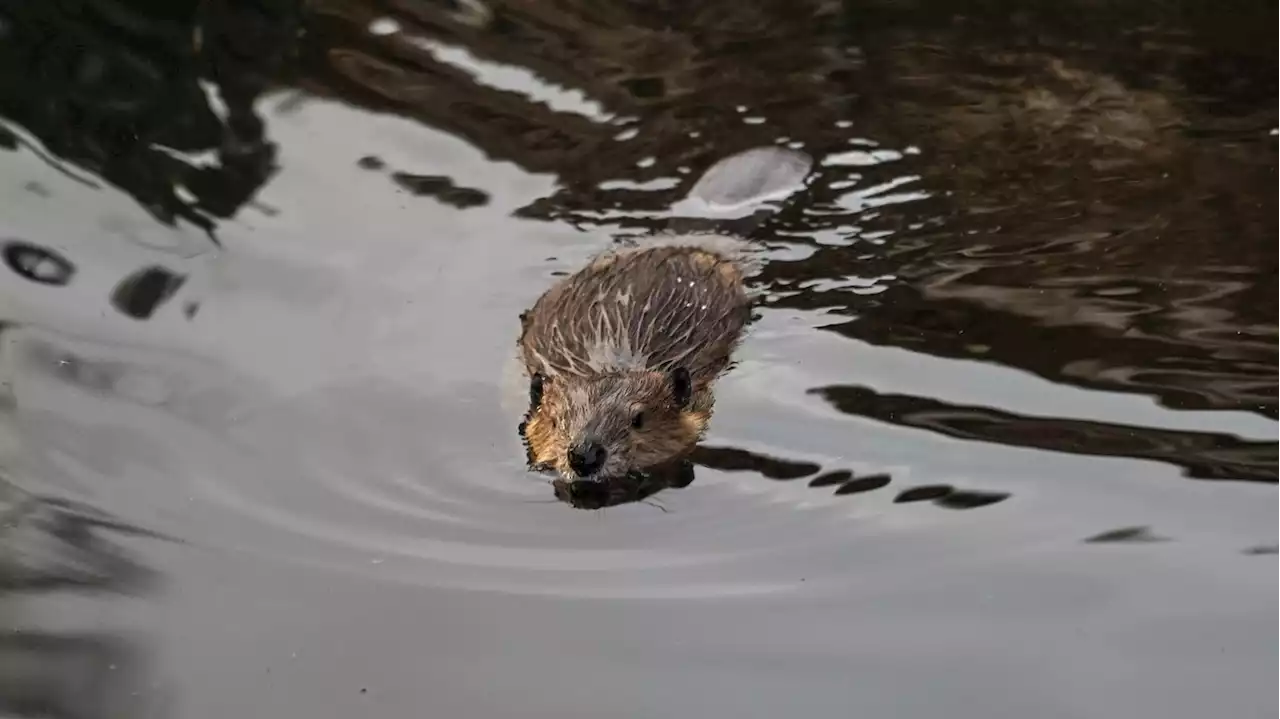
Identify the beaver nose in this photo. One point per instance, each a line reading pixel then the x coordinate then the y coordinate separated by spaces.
pixel 586 459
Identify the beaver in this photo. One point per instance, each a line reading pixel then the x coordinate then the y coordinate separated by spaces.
pixel 622 357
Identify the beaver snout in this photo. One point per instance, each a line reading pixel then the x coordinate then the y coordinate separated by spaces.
pixel 587 458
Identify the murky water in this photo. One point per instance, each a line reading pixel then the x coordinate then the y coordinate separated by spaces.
pixel 1000 442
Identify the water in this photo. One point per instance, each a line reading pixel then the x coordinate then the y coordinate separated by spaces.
pixel 1001 442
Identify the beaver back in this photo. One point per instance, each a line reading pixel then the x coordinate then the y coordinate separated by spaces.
pixel 657 309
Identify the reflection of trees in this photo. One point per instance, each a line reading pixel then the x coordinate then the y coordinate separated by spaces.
pixel 1100 203
pixel 113 87
pixel 1105 218
pixel 663 71
pixel 1075 228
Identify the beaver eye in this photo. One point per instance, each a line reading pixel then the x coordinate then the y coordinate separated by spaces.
pixel 637 420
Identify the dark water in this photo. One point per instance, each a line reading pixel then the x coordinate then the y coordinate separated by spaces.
pixel 1002 441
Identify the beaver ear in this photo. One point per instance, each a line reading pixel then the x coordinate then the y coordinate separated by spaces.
pixel 536 383
pixel 681 386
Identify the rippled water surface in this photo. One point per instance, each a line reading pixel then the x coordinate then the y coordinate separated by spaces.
pixel 1000 442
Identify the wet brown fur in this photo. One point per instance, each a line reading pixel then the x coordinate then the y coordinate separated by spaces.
pixel 606 342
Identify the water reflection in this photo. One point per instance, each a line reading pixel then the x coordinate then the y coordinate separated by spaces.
pixel 1127 535
pixel 54 544
pixel 642 486
pixel 54 548
pixel 75 676
pixel 47 545
pixel 632 487
pixel 1177 313
pixel 38 264
pixel 1262 550
pixel 857 485
pixel 638 110
pixel 116 89
pixel 1097 219
pixel 442 189
pixel 1202 455
pixel 1089 199
pixel 732 459
pixel 139 294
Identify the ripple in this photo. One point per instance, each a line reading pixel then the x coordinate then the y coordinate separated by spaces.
pixel 340 479
pixel 364 494
pixel 343 486
pixel 474 554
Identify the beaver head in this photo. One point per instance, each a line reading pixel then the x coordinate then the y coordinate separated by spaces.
pixel 602 427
